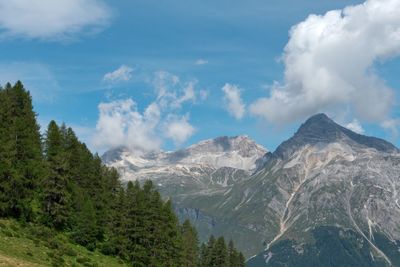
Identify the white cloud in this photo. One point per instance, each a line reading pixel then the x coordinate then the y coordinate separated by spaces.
pixel 329 63
pixel 201 62
pixel 355 126
pixel 121 123
pixel 234 103
pixel 171 92
pixel 122 74
pixel 179 129
pixel 49 19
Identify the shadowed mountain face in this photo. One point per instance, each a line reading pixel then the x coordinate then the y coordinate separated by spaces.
pixel 326 192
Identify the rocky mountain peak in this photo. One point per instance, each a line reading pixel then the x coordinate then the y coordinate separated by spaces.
pixel 239 152
pixel 320 129
pixel 241 144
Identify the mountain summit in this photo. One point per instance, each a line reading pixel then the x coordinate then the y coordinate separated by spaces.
pixel 321 129
pixel 239 152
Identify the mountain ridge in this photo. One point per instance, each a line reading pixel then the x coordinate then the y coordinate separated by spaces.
pixel 321 129
pixel 238 152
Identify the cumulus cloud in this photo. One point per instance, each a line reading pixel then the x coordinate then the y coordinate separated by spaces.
pixel 121 123
pixel 201 62
pixel 171 92
pixel 178 129
pixel 233 100
pixel 49 19
pixel 122 74
pixel 355 126
pixel 329 64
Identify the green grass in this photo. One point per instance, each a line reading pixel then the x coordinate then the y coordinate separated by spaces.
pixel 30 245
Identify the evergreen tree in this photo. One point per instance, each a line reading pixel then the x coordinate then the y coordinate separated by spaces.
pixel 169 235
pixel 85 231
pixel 220 254
pixel 117 241
pixel 203 261
pixel 209 253
pixel 241 260
pixel 136 226
pixel 56 199
pixel 190 245
pixel 236 258
pixel 216 254
pixel 21 162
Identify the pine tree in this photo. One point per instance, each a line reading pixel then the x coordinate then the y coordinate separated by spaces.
pixel 56 199
pixel 241 260
pixel 136 223
pixel 203 261
pixel 85 230
pixel 21 158
pixel 209 253
pixel 170 242
pixel 220 254
pixel 117 241
pixel 190 245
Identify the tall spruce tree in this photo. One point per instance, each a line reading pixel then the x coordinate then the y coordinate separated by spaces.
pixel 190 245
pixel 116 239
pixel 21 161
pixel 56 198
pixel 203 260
pixel 85 231
pixel 220 254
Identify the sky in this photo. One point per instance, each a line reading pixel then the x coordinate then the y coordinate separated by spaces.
pixel 154 75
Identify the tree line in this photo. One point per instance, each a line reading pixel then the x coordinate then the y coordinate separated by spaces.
pixel 54 180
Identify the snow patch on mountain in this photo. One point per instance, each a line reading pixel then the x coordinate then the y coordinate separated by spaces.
pixel 239 152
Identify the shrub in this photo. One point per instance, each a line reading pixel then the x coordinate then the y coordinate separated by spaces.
pixel 83 260
pixel 70 252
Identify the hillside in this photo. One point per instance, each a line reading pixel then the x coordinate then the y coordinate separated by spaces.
pixel 31 245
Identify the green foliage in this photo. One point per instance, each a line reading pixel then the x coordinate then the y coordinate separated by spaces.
pixel 21 159
pixel 85 231
pixel 56 199
pixel 190 245
pixel 26 248
pixel 217 254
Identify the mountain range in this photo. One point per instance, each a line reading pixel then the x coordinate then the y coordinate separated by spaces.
pixel 325 197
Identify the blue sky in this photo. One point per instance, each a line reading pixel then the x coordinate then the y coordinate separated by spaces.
pixel 175 57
